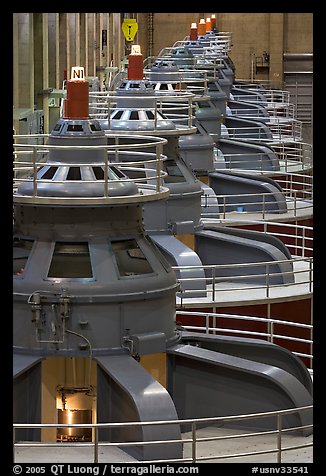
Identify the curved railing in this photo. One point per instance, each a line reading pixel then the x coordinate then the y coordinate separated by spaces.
pixel 193 454
pixel 274 109
pixel 270 95
pixel 230 283
pixel 29 157
pixel 293 157
pixel 278 109
pixel 270 329
pixel 292 153
pixel 297 190
pixel 104 105
pixel 282 129
pixel 285 128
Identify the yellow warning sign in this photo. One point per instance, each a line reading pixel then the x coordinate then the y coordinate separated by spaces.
pixel 129 28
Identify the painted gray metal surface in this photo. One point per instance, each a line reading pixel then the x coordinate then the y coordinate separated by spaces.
pixel 229 68
pixel 248 193
pixel 243 94
pixel 22 362
pixel 253 349
pixel 217 95
pixel 101 307
pixel 180 213
pixel 147 343
pixel 63 161
pixel 184 57
pixel 252 234
pixel 209 203
pixel 27 402
pixel 164 70
pixel 102 303
pixel 241 128
pixel 204 383
pixel 225 82
pixel 225 248
pixel 248 156
pixel 197 151
pixel 108 308
pixel 126 392
pixel 249 110
pixel 178 254
pixel 210 117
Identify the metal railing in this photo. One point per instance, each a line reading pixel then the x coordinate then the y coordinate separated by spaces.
pixel 225 280
pixel 297 238
pixel 277 96
pixel 273 109
pixel 29 157
pixel 253 113
pixel 291 156
pixel 212 323
pixel 282 129
pixel 293 153
pixel 251 133
pixel 104 106
pixel 297 190
pixel 234 279
pixel 270 95
pixel 194 440
pixel 285 128
pixel 277 109
pixel 260 84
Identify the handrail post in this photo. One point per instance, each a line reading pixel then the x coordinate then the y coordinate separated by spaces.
pixel 14 441
pixel 193 445
pixel 279 438
pixel 95 444
pixel 271 331
pixel 159 150
pixel 34 172
pixel 295 203
pixel 267 280
pixel 155 114
pixel 213 284
pixel 106 175
pixel 109 111
pixel 190 112
pixel 311 332
pixel 116 151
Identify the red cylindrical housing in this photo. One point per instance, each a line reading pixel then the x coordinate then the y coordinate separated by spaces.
pixel 208 25
pixel 213 22
pixel 135 66
pixel 76 104
pixel 193 32
pixel 202 28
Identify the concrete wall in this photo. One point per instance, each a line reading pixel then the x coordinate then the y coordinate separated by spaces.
pixel 250 35
pixel 79 40
pixel 298 28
